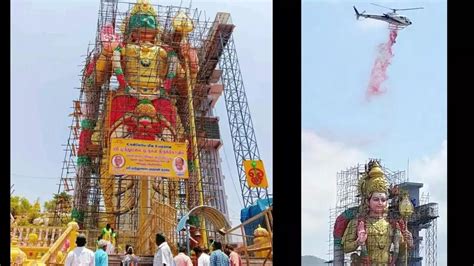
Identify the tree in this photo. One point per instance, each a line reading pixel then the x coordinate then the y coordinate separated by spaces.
pixel 34 212
pixel 24 212
pixel 63 202
pixel 19 206
pixel 49 206
pixel 14 205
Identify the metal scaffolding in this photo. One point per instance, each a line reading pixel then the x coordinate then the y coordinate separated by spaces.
pixel 238 112
pixel 424 216
pixel 430 239
pixel 100 198
pixel 347 195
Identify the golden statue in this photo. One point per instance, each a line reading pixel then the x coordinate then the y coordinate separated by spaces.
pixel 376 238
pixel 261 239
pixel 154 69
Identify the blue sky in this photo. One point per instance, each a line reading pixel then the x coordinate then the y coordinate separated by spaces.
pixel 338 53
pixel 340 128
pixel 48 42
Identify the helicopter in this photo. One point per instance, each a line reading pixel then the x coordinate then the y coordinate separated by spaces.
pixel 393 18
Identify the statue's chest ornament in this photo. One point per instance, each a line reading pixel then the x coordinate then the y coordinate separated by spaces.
pixel 380 233
pixel 146 55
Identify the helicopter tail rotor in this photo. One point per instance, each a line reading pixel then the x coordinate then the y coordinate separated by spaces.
pixel 357 14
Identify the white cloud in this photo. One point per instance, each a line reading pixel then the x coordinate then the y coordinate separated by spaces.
pixel 432 171
pixel 323 158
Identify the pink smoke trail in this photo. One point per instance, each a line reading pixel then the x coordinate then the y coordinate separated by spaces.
pixel 379 70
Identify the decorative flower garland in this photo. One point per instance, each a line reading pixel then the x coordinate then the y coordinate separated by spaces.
pixel 117 67
pixel 87 128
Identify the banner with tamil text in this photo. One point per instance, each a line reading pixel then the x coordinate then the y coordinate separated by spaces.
pixel 148 158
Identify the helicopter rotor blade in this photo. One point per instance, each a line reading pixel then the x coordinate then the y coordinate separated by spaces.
pixel 397 9
pixel 383 6
pixel 410 8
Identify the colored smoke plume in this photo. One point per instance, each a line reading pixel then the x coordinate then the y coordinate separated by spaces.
pixel 379 70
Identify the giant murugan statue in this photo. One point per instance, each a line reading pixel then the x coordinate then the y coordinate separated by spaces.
pixel 154 68
pixel 372 235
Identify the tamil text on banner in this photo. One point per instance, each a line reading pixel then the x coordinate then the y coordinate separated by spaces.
pixel 255 173
pixel 148 158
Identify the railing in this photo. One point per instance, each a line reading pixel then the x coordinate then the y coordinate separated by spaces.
pixel 57 252
pixel 424 214
pixel 161 219
pixel 258 250
pixel 46 235
pixel 45 245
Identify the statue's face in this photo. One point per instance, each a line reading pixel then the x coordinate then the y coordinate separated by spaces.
pixel 143 35
pixel 378 202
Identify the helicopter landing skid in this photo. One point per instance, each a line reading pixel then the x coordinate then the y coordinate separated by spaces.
pixel 395 27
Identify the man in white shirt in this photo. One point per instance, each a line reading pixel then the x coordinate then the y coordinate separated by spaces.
pixel 202 255
pixel 80 256
pixel 163 256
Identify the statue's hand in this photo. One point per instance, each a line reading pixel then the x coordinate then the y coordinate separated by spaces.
pixel 109 39
pixel 361 237
pixel 184 49
pixel 361 233
pixel 407 236
pixel 191 55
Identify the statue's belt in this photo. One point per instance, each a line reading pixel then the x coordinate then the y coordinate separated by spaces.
pixel 161 93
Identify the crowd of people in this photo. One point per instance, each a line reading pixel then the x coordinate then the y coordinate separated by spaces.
pixel 220 255
pixel 84 256
pixel 105 245
pixel 109 236
pixel 203 257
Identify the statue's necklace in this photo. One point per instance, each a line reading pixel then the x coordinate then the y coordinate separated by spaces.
pixel 146 55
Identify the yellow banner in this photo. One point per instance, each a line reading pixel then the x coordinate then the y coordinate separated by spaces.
pixel 255 173
pixel 148 158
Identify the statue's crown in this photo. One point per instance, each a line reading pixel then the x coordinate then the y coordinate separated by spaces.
pixel 143 7
pixel 373 180
pixel 143 15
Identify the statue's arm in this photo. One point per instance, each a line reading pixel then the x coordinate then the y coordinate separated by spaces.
pixel 349 239
pixel 98 69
